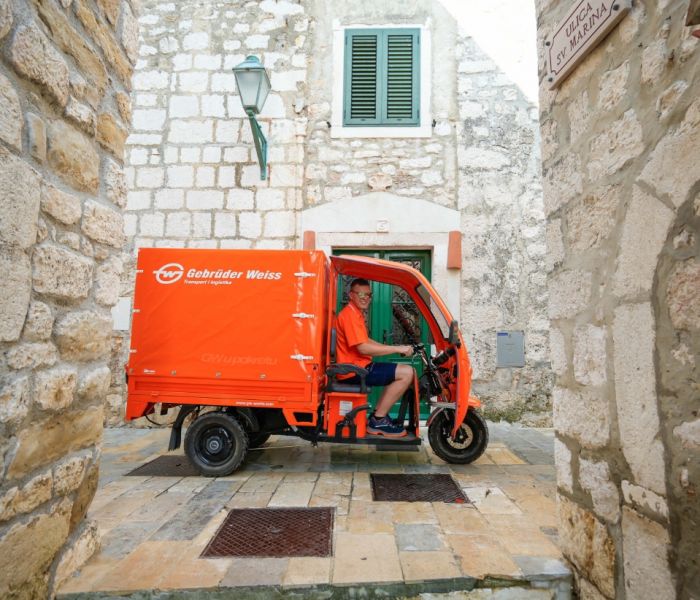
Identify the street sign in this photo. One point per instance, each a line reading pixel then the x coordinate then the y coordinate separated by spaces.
pixel 581 30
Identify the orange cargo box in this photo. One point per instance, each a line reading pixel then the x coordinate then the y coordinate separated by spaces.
pixel 228 327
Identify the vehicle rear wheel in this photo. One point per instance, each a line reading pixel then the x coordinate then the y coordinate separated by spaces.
pixel 216 444
pixel 470 442
pixel 255 440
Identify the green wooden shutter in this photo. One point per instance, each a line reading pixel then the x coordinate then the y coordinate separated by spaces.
pixel 361 105
pixel 401 100
pixel 381 80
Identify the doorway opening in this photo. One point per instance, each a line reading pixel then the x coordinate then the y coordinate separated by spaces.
pixel 393 317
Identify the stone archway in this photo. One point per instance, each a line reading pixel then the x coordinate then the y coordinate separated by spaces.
pixel 677 311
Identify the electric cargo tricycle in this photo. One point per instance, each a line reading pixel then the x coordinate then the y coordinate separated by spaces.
pixel 243 343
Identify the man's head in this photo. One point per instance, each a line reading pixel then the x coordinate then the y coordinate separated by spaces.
pixel 360 293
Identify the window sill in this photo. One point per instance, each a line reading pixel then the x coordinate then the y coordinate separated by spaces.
pixel 422 131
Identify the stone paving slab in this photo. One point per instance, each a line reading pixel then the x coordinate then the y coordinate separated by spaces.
pixel 154 529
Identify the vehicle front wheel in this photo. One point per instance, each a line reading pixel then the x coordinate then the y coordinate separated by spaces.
pixel 216 444
pixel 470 442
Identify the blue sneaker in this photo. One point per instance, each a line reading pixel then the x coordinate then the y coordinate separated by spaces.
pixel 384 426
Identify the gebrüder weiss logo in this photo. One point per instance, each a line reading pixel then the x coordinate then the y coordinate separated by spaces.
pixel 169 273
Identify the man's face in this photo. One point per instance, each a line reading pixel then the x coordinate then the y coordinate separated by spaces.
pixel 361 296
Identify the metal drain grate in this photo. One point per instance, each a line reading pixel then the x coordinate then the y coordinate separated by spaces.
pixel 167 466
pixel 416 488
pixel 277 532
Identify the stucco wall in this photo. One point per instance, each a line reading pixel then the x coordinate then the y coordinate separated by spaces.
pixel 193 178
pixel 620 147
pixel 64 111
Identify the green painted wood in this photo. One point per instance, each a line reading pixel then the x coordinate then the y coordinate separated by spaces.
pixel 402 98
pixel 381 77
pixel 382 325
pixel 361 94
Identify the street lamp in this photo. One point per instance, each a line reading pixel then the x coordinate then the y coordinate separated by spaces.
pixel 253 87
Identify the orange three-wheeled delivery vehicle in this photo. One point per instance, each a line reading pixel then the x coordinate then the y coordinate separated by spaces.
pixel 243 341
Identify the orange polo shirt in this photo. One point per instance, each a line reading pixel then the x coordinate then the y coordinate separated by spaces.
pixel 351 331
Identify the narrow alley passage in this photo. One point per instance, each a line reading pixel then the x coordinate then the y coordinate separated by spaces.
pixel 154 529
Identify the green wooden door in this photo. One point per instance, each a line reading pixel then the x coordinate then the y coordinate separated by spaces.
pixel 393 317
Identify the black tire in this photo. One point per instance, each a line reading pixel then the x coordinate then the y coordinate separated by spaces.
pixel 216 444
pixel 255 440
pixel 472 437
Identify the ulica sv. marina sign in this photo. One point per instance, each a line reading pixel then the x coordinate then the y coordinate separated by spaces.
pixel 581 30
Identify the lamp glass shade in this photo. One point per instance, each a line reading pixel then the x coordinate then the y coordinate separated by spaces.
pixel 253 84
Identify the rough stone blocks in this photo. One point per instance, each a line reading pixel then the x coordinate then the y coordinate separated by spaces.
pixel 20 189
pixel 583 416
pixel 643 235
pixel 83 336
pixel 646 565
pixel 635 391
pixel 27 550
pixel 103 224
pixel 63 207
pixel 61 273
pixel 35 57
pixel 586 542
pixel 14 293
pixel 10 114
pixel 672 166
pixel 46 441
pixel 73 157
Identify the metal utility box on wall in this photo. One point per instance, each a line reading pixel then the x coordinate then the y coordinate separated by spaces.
pixel 510 349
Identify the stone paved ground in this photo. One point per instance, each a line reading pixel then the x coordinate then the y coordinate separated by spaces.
pixel 154 528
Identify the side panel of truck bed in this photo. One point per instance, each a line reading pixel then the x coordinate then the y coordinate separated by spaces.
pixel 229 327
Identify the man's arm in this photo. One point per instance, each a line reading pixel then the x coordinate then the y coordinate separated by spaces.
pixel 372 348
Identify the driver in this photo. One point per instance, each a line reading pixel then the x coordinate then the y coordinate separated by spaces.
pixel 354 346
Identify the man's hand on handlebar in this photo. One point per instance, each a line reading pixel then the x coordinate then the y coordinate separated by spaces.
pixel 405 350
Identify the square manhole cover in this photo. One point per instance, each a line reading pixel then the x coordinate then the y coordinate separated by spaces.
pixel 416 488
pixel 166 466
pixel 274 532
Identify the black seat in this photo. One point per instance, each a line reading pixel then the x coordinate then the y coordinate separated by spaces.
pixel 335 369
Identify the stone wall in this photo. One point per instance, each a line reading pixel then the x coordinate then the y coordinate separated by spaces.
pixel 504 283
pixel 620 147
pixel 194 181
pixel 481 159
pixel 192 173
pixel 65 69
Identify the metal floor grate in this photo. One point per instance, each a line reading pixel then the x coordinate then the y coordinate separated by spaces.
pixel 274 532
pixel 416 488
pixel 167 466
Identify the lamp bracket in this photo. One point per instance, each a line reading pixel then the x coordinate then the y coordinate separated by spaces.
pixel 260 144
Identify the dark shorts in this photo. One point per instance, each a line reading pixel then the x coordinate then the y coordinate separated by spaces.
pixel 379 374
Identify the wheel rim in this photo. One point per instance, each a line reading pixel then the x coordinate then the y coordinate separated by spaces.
pixel 463 439
pixel 215 445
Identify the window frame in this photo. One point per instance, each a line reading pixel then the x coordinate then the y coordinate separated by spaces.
pixel 424 127
pixel 382 78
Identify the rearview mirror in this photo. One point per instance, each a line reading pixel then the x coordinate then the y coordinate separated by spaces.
pixel 453 335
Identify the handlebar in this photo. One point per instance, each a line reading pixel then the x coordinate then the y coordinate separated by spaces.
pixel 443 357
pixel 438 359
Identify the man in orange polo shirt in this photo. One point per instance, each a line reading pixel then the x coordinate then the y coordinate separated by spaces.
pixel 355 346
